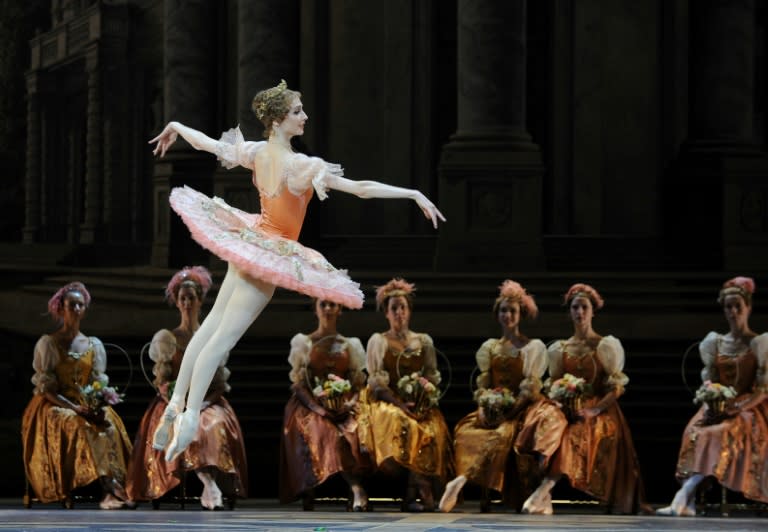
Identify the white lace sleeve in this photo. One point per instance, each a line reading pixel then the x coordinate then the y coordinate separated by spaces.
pixel 555 353
pixel 708 353
pixel 233 150
pixel 378 377
pixel 298 358
pixel 430 370
pixel 483 360
pixel 44 364
pixel 535 362
pixel 162 346
pixel 759 345
pixel 610 353
pixel 305 171
pixel 356 362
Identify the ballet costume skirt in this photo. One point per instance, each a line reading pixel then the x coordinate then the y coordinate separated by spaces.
pixel 264 246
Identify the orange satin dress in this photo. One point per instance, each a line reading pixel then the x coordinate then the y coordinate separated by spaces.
pixel 62 450
pixel 598 455
pixel 314 448
pixel 422 445
pixel 734 451
pixel 500 457
pixel 218 446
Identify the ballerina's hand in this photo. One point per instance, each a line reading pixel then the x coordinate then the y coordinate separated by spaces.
pixel 164 140
pixel 429 209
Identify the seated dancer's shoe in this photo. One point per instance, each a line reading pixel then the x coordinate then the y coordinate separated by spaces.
pixel 539 503
pixel 211 498
pixel 184 431
pixel 451 494
pixel 163 431
pixel 679 506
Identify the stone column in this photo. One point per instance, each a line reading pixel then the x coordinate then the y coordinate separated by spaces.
pixel 490 170
pixel 719 190
pixel 32 177
pixel 91 227
pixel 189 65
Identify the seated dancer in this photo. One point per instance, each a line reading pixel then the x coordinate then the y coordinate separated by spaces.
pixel 732 445
pixel 319 436
pixel 495 445
pixel 261 249
pixel 596 453
pixel 403 433
pixel 217 453
pixel 71 434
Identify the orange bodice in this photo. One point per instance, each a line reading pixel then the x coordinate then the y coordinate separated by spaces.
pixel 737 371
pixel 327 357
pixel 588 367
pixel 283 213
pixel 399 363
pixel 507 372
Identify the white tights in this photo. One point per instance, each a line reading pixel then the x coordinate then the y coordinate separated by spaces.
pixel 238 304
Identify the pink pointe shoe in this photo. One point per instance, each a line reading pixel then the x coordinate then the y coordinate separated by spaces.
pixel 184 431
pixel 163 431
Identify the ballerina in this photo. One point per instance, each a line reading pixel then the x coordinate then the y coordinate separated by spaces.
pixel 261 249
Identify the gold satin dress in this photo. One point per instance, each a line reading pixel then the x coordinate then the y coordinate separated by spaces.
pixel 598 455
pixel 422 445
pixel 734 451
pixel 501 457
pixel 62 450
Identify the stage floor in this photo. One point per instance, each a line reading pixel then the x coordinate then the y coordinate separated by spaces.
pixel 268 515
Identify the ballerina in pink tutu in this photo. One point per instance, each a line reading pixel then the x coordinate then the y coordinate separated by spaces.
pixel 261 249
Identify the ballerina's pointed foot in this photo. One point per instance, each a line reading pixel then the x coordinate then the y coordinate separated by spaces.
pixel 184 431
pixel 163 431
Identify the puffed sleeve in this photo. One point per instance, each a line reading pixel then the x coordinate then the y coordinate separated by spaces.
pixel 555 354
pixel 44 364
pixel 233 150
pixel 535 362
pixel 610 353
pixel 220 381
pixel 99 357
pixel 759 345
pixel 356 362
pixel 378 377
pixel 298 358
pixel 303 172
pixel 430 371
pixel 708 353
pixel 162 347
pixel 483 360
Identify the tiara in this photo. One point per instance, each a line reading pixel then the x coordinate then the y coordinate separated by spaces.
pixel 268 97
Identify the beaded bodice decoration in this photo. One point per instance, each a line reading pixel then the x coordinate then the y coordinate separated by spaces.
pixel 581 361
pixel 74 371
pixel 400 361
pixel 329 355
pixel 738 371
pixel 506 368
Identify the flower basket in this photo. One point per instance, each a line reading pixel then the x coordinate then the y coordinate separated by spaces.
pixel 331 392
pixel 416 389
pixel 716 396
pixel 569 391
pixel 496 403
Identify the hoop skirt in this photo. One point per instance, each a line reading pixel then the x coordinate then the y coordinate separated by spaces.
pixel 264 245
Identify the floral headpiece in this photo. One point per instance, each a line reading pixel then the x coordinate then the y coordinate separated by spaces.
pixel 56 302
pixel 395 287
pixel 741 286
pixel 514 291
pixel 267 99
pixel 584 290
pixel 194 274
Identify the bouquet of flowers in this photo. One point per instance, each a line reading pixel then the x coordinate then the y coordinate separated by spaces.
pixel 495 403
pixel 715 395
pixel 419 390
pixel 98 394
pixel 568 391
pixel 331 392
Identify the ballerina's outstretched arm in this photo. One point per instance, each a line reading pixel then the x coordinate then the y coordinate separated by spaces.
pixel 169 134
pixel 375 189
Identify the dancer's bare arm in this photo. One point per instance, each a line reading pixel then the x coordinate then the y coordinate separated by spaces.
pixel 198 140
pixel 375 189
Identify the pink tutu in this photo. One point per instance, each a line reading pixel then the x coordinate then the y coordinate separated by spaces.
pixel 236 237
